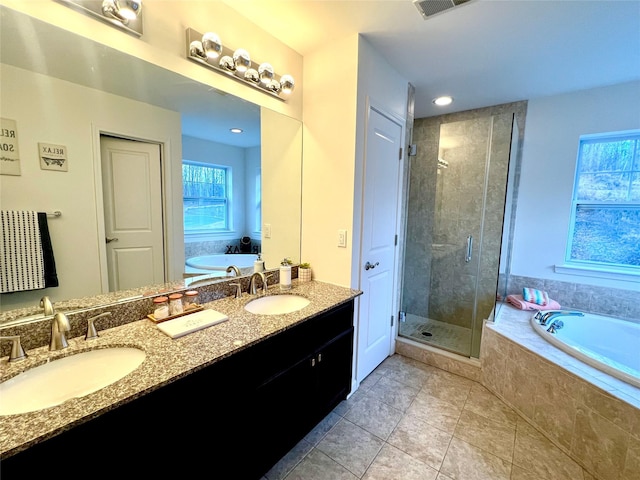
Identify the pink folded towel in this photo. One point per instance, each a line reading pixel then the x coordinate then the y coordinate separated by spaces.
pixel 519 302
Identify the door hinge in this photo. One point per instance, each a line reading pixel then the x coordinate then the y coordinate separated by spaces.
pixel 412 149
pixel 395 241
pixel 392 320
pixel 400 154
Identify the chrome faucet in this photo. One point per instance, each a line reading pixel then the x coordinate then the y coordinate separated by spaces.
pixel 234 269
pixel 543 318
pixel 59 326
pixel 555 326
pixel 253 289
pixel 47 305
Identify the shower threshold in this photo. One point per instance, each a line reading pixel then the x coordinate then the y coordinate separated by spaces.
pixel 436 333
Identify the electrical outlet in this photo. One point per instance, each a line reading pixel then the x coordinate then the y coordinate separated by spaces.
pixel 342 238
pixel 267 230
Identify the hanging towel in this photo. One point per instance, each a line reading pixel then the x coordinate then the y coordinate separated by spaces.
pixel 26 253
pixel 519 302
pixel 533 295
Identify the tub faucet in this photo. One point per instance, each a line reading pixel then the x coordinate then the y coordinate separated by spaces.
pixel 555 326
pixel 253 289
pixel 544 318
pixel 59 326
pixel 234 269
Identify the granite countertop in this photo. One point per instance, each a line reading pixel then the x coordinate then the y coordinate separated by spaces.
pixel 166 359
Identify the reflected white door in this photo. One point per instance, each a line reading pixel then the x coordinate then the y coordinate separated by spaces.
pixel 378 249
pixel 132 189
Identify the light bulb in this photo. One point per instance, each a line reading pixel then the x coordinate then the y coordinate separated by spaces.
pixel 287 83
pixel 266 73
pixel 212 45
pixel 242 60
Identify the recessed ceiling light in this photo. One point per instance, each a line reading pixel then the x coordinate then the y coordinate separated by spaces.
pixel 235 130
pixel 443 101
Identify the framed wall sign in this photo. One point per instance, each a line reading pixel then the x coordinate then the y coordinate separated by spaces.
pixel 53 157
pixel 9 155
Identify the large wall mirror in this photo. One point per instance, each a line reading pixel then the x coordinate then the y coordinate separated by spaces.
pixel 127 125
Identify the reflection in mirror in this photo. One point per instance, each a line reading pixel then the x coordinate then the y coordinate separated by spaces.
pixel 74 92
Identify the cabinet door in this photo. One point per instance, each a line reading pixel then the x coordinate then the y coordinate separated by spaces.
pixel 333 372
pixel 281 414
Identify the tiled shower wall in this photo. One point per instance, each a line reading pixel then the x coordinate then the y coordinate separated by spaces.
pixel 600 300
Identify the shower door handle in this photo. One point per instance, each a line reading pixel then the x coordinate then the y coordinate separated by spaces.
pixel 467 258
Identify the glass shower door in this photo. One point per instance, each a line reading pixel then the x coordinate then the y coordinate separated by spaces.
pixel 452 211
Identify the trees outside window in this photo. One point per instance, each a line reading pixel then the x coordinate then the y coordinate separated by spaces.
pixel 605 216
pixel 205 197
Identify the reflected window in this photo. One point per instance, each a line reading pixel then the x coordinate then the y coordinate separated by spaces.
pixel 605 223
pixel 205 191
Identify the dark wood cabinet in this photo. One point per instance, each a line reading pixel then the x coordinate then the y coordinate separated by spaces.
pixel 233 419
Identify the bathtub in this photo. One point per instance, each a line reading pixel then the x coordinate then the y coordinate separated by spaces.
pixel 222 261
pixel 606 343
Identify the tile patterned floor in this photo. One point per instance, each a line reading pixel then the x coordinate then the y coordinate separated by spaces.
pixel 443 335
pixel 412 421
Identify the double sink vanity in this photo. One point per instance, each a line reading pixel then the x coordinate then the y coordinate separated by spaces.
pixel 230 399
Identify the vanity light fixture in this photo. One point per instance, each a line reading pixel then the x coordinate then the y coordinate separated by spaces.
pixel 123 14
pixel 208 50
pixel 443 101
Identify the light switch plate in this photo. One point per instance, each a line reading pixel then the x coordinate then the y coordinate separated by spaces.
pixel 267 230
pixel 342 238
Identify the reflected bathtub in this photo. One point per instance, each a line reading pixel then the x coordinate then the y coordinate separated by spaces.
pixel 606 343
pixel 222 261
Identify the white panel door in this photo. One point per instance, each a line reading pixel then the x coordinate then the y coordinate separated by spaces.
pixel 132 189
pixel 378 249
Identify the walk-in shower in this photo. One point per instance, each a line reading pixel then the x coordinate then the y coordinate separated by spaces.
pixel 454 224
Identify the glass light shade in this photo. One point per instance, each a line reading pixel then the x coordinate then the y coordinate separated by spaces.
pixel 129 9
pixel 227 63
pixel 122 10
pixel 212 45
pixel 287 83
pixel 274 86
pixel 252 75
pixel 196 50
pixel 266 73
pixel 242 60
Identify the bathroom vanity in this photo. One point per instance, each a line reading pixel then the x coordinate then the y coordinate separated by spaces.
pixel 224 402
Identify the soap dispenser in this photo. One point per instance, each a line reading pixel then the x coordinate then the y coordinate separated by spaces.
pixel 258 264
pixel 285 275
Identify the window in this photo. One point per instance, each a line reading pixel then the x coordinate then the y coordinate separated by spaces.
pixel 205 197
pixel 605 217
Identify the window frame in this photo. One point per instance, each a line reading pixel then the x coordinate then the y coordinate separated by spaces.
pixel 228 228
pixel 590 267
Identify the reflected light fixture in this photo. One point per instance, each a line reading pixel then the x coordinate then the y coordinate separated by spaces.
pixel 443 101
pixel 124 14
pixel 235 130
pixel 208 50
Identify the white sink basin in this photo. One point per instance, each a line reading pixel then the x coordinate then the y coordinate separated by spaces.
pixel 69 377
pixel 276 304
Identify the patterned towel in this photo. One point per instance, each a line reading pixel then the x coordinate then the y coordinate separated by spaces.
pixel 26 256
pixel 518 302
pixel 532 295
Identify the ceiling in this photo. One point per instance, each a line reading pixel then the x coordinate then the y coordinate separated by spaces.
pixel 484 52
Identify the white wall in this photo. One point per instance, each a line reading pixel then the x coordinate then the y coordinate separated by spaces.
pixel 330 78
pixel 54 111
pixel 553 127
pixel 205 151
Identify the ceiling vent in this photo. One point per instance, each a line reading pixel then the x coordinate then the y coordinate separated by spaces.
pixel 429 8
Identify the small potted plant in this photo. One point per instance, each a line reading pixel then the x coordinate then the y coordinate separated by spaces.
pixel 304 272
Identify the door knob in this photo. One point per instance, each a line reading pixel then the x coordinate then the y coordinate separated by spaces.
pixel 111 239
pixel 369 266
